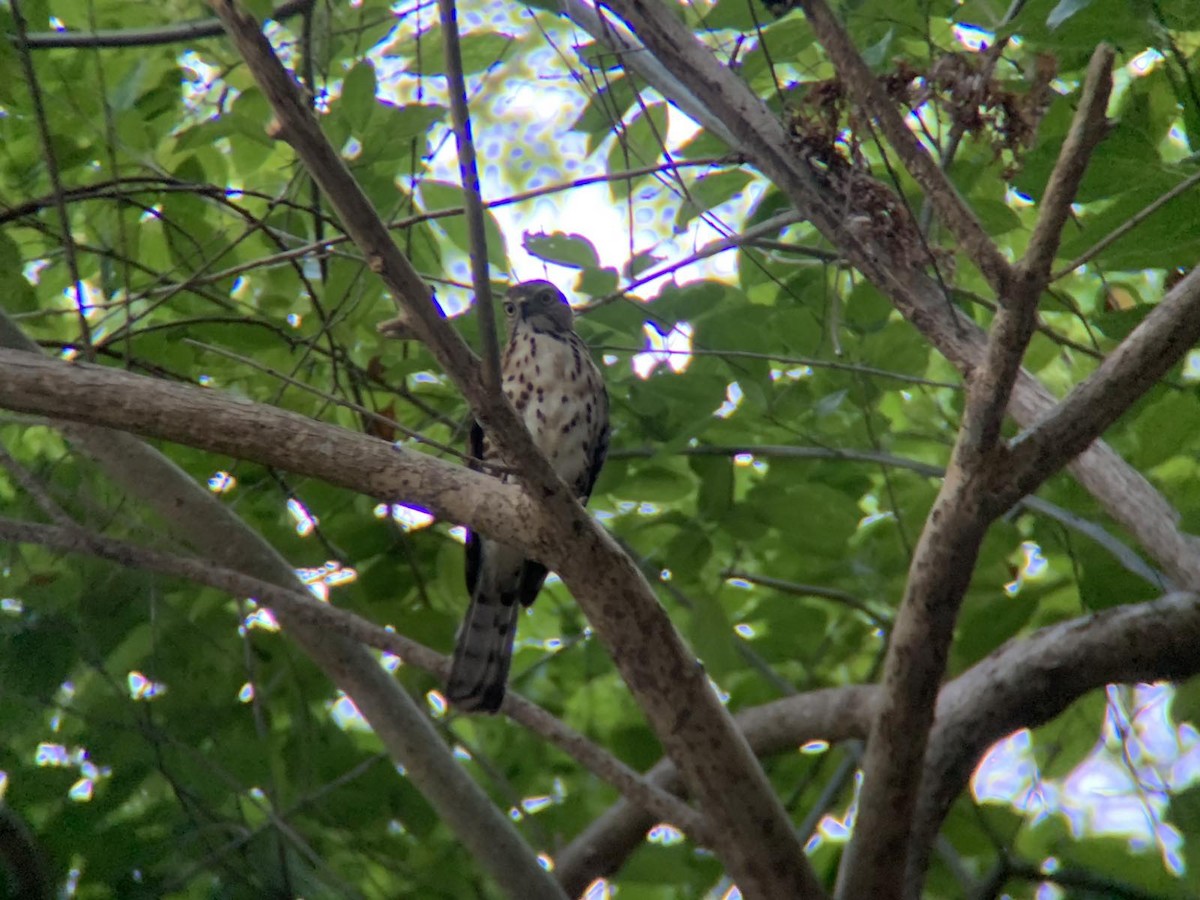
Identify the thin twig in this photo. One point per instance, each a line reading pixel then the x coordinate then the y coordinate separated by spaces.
pixel 35 489
pixel 1127 226
pixel 468 174
pixel 64 220
pixel 772 225
pixel 385 421
pixel 808 590
pixel 146 37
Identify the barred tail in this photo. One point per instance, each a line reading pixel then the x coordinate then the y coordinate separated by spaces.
pixel 483 653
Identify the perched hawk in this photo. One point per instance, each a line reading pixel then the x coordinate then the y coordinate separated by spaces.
pixel 550 379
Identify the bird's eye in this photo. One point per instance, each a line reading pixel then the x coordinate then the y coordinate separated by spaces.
pixel 509 307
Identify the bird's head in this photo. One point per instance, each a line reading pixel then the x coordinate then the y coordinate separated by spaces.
pixel 539 305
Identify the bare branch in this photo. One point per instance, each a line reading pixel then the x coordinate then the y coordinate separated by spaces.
pixel 468 174
pixel 1023 684
pixel 752 835
pixel 1123 492
pixel 1030 681
pixel 832 714
pixel 210 421
pixel 1170 330
pixel 634 58
pixel 1087 130
pixel 949 547
pixel 195 516
pixel 939 575
pixel 213 421
pixel 991 384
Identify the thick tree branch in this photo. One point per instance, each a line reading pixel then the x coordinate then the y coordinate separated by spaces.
pixel 633 58
pixel 211 421
pixel 1025 683
pixel 194 516
pixel 990 387
pixel 941 570
pixel 949 546
pixel 752 835
pixel 1030 681
pixel 1123 492
pixel 1161 340
pixel 915 296
pixel 832 714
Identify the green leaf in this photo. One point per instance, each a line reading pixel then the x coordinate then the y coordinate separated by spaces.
pixel 712 636
pixel 1185 810
pixel 1185 702
pixel 654 483
pixel 710 191
pixel 572 250
pixel 442 195
pixel 639 145
pixel 358 101
pixel 479 50
pixel 715 496
pixel 604 110
pixel 1168 427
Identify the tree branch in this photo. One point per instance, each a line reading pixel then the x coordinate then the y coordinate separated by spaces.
pixel 1149 351
pixel 831 714
pixel 752 835
pixel 147 37
pixel 1025 683
pixel 209 420
pixel 1087 130
pixel 633 58
pixel 990 388
pixel 1123 492
pixel 949 546
pixel 300 607
pixel 196 517
pixel 938 577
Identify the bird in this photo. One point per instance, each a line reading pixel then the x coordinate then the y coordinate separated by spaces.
pixel 548 375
